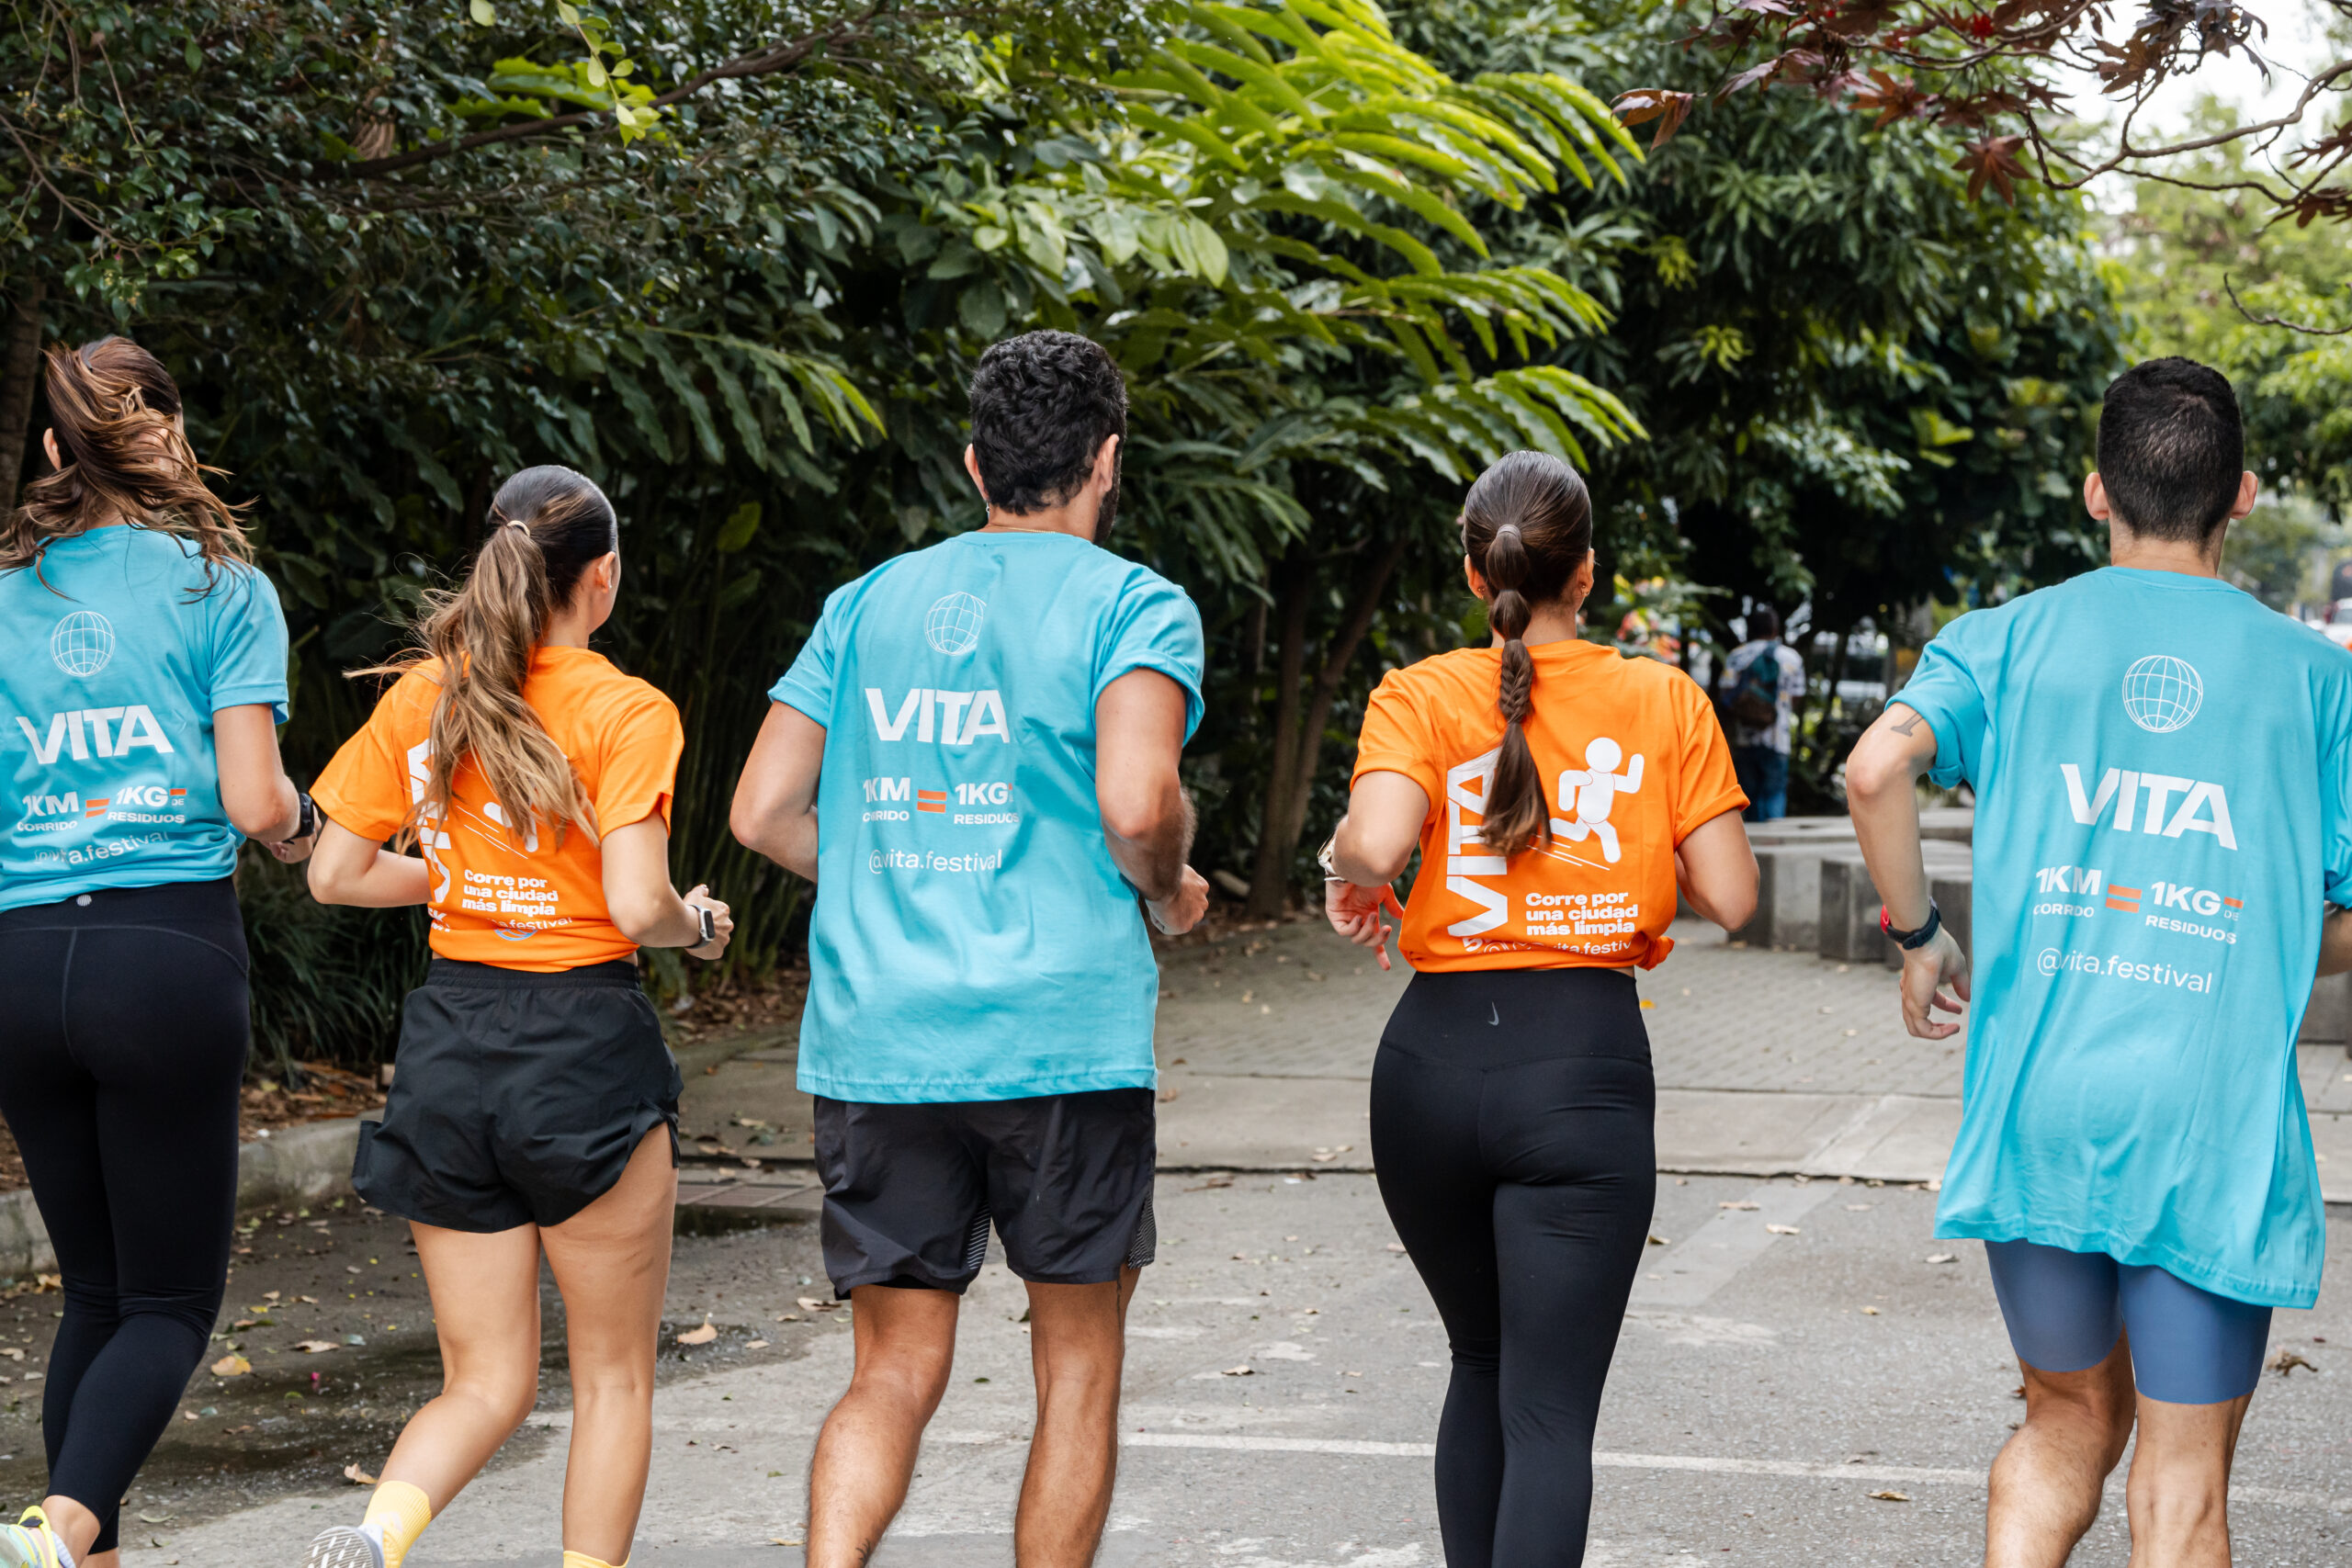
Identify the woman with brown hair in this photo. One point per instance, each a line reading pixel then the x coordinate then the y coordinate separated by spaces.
pixel 1558 794
pixel 145 665
pixel 537 1106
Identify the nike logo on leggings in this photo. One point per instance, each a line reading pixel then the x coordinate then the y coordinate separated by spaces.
pixel 1494 1016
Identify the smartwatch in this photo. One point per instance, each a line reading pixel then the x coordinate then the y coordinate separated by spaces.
pixel 306 818
pixel 709 925
pixel 1910 940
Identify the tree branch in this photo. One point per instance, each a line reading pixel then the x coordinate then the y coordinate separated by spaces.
pixel 2278 321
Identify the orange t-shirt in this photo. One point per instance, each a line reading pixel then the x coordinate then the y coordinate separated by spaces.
pixel 1631 760
pixel 536 905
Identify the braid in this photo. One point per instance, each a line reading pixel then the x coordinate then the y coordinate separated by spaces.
pixel 1516 814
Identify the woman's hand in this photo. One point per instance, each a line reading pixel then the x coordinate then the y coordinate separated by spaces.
pixel 291 850
pixel 1354 911
pixel 722 922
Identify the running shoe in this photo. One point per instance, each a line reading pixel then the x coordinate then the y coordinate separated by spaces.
pixel 30 1543
pixel 342 1546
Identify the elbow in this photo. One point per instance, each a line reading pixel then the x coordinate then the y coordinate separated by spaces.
pixel 639 920
pixel 1873 776
pixel 325 887
pixel 744 821
pixel 255 819
pixel 1734 912
pixel 1139 821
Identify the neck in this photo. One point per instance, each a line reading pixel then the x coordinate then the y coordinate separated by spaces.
pixel 2191 558
pixel 1555 622
pixel 568 630
pixel 1074 517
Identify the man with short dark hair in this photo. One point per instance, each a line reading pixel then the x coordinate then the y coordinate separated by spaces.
pixel 2163 772
pixel 1763 680
pixel 975 760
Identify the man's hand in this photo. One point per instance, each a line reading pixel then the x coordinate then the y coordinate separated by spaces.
pixel 1354 911
pixel 1176 915
pixel 1928 971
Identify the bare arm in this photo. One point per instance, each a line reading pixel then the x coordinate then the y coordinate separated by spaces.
pixel 645 908
pixel 1881 776
pixel 1147 816
pixel 1716 870
pixel 261 801
pixel 348 869
pixel 2335 942
pixel 1369 848
pixel 776 800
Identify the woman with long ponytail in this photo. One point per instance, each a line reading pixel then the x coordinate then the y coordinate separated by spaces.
pixel 535 1113
pixel 1558 794
pixel 144 661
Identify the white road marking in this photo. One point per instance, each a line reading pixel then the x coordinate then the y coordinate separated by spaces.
pixel 1706 1261
pixel 1705 1463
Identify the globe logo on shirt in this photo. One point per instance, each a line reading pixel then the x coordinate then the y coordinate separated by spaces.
pixel 953 624
pixel 82 643
pixel 2162 693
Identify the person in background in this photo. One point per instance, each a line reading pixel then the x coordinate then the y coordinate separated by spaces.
pixel 975 759
pixel 145 670
pixel 1762 681
pixel 536 1111
pixel 1558 794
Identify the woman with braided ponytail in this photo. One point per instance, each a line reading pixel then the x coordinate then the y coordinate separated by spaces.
pixel 1559 794
pixel 535 1113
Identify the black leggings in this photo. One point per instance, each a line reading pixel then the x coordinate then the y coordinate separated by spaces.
pixel 1513 1117
pixel 123 1017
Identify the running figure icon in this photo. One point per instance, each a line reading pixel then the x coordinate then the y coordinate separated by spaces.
pixel 1594 788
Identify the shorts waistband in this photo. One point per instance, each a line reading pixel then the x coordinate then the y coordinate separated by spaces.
pixel 1487 1018
pixel 207 909
pixel 465 972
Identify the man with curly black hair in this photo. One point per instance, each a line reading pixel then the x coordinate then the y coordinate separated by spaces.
pixel 975 760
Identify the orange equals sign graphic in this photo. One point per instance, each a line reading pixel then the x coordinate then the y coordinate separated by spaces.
pixel 2233 903
pixel 179 791
pixel 93 808
pixel 931 800
pixel 2121 897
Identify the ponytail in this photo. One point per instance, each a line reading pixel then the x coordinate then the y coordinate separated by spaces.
pixel 116 412
pixel 1527 527
pixel 547 525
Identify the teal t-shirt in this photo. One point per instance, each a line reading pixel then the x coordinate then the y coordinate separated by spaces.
pixel 972 938
pixel 116 655
pixel 2163 770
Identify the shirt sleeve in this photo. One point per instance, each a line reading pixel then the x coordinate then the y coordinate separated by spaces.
pixel 638 769
pixel 1943 691
pixel 1395 737
pixel 365 788
pixel 2336 802
pixel 248 638
pixel 1156 627
pixel 1705 784
pixel 809 684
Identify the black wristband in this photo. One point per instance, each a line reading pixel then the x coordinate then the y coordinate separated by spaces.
pixel 306 818
pixel 1910 940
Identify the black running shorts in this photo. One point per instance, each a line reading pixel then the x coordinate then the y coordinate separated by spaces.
pixel 910 1189
pixel 520 1097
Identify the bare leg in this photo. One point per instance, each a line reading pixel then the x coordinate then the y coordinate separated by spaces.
pixel 2178 1495
pixel 77 1528
pixel 905 1344
pixel 2045 1487
pixel 1077 1343
pixel 486 1294
pixel 612 1263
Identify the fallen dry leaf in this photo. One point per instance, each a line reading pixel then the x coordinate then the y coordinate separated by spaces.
pixel 1942 1257
pixel 811 1303
pixel 357 1476
pixel 2286 1361
pixel 1657 1240
pixel 780 1541
pixel 1212 1182
pixel 1891 1496
pixel 757 1345
pixel 1869 1311
pixel 1738 1203
pixel 13 1353
pixel 231 1366
pixel 702 1336
pixel 1784 1230
pixel 317 1347
pixel 1242 1371
pixel 1395 1247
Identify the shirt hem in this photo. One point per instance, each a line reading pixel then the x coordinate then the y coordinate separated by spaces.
pixel 879 1091
pixel 2181 1266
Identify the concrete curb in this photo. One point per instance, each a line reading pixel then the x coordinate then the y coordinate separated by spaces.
pixel 289 1167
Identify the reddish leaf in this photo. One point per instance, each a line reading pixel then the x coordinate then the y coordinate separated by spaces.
pixel 1668 108
pixel 1994 159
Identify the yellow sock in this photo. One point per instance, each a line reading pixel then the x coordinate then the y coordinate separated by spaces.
pixel 581 1560
pixel 400 1512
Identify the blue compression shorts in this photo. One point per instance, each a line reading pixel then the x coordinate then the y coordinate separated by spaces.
pixel 2065 1311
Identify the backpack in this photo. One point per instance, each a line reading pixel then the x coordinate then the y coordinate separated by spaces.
pixel 1755 701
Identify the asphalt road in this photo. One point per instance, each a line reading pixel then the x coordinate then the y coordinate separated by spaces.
pixel 1765 1386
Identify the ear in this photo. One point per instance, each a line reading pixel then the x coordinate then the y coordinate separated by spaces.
pixel 1470 575
pixel 2249 490
pixel 1106 463
pixel 2095 500
pixel 972 467
pixel 1580 586
pixel 49 445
